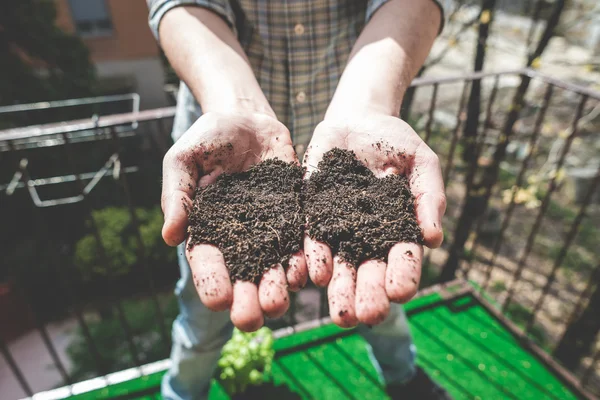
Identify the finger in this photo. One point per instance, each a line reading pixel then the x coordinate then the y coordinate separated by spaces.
pixel 246 314
pixel 372 303
pixel 315 150
pixel 427 186
pixel 180 175
pixel 403 271
pixel 297 274
pixel 318 261
pixel 430 210
pixel 211 277
pixel 272 292
pixel 341 294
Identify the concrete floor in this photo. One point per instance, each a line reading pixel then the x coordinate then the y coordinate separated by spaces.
pixel 34 360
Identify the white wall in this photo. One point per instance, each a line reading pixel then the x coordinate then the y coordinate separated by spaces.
pixel 146 73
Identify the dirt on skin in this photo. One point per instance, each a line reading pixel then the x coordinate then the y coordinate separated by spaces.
pixel 253 217
pixel 357 214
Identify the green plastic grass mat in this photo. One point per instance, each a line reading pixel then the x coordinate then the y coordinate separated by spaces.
pixel 460 344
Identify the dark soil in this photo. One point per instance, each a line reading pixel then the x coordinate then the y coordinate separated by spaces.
pixel 357 214
pixel 253 217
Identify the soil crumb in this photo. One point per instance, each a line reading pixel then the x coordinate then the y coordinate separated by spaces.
pixel 357 214
pixel 253 217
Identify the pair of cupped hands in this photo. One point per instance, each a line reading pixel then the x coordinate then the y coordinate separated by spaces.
pixel 356 295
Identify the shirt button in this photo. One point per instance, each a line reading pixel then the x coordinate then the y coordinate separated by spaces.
pixel 301 97
pixel 299 29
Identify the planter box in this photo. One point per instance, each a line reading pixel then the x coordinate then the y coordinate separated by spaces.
pixel 16 317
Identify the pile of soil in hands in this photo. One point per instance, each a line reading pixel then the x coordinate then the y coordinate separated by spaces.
pixel 357 214
pixel 253 217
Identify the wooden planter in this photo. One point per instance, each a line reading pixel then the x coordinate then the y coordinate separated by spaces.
pixel 15 315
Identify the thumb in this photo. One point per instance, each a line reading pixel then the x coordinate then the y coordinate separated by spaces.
pixel 176 218
pixel 430 208
pixel 312 157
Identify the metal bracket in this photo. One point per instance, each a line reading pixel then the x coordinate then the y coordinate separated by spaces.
pixel 21 179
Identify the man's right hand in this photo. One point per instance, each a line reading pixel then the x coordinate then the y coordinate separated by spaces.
pixel 225 143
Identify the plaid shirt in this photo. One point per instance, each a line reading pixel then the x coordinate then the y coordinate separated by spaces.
pixel 297 49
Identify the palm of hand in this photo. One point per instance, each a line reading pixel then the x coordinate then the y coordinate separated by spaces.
pixel 386 145
pixel 216 144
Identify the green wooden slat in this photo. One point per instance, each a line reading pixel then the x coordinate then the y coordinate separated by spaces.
pixel 122 389
pixel 484 331
pixel 453 361
pixel 422 301
pixel 301 338
pixel 312 379
pixel 345 373
pixel 441 377
pixel 460 344
pixel 497 362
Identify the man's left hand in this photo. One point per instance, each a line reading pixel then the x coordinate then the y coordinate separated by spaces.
pixel 373 280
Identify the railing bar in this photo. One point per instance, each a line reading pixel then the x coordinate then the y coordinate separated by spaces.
pixel 591 369
pixel 533 22
pixel 103 256
pixel 528 72
pixel 107 121
pixel 52 351
pixel 85 136
pixel 473 249
pixel 488 116
pixel 141 247
pixel 473 170
pixel 293 308
pixel 323 304
pixel 100 174
pixel 57 180
pixel 160 137
pixel 460 116
pixel 44 105
pixel 426 266
pixel 592 280
pixel 581 90
pixel 430 80
pixel 565 248
pixel 519 181
pixel 15 368
pixel 552 186
pixel 432 105
pixel 78 313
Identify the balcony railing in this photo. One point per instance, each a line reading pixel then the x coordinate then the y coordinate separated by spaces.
pixel 521 224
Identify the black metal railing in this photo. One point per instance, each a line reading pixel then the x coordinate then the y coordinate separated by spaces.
pixel 507 193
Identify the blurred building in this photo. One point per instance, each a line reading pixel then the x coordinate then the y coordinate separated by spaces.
pixel 126 56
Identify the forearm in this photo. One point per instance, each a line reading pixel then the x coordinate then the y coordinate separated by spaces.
pixel 385 58
pixel 207 56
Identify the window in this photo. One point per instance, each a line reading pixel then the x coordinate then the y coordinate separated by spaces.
pixel 91 17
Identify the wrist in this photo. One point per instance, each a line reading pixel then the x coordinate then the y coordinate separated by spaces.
pixel 348 110
pixel 237 104
pixel 232 95
pixel 372 83
pixel 364 103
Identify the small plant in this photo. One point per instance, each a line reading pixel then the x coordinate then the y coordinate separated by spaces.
pixel 118 236
pixel 521 316
pixel 498 286
pixel 245 360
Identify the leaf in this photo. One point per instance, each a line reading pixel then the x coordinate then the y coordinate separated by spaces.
pixel 485 17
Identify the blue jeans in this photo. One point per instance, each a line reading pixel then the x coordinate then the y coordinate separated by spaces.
pixel 199 334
